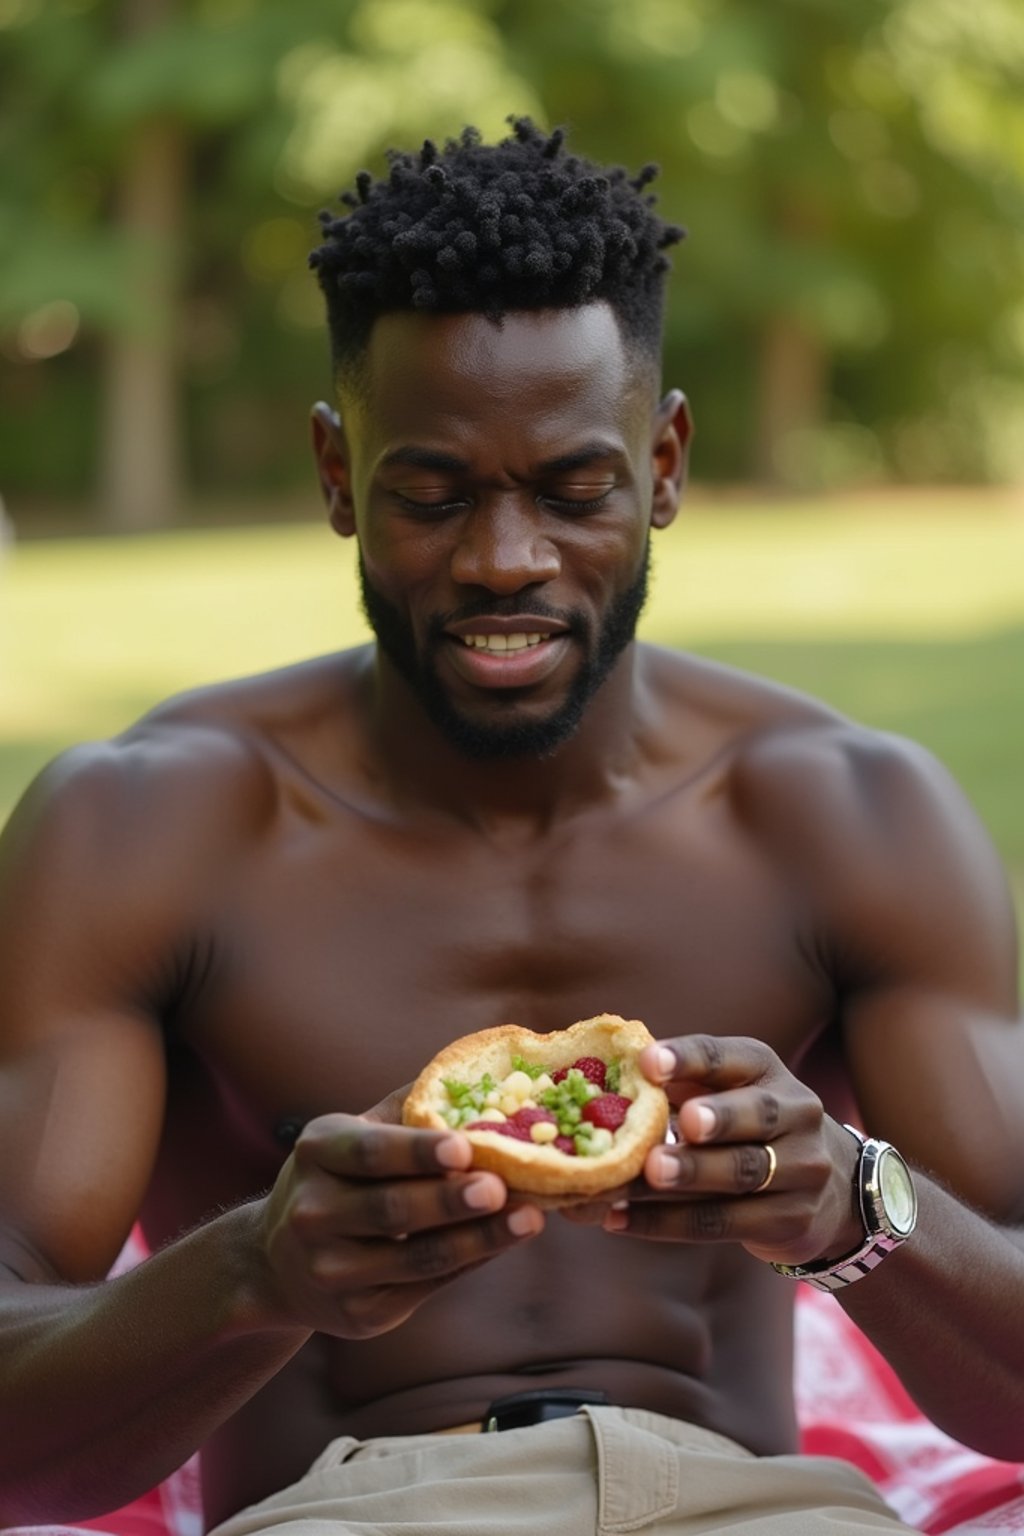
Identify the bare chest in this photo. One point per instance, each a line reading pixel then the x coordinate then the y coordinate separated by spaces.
pixel 342 959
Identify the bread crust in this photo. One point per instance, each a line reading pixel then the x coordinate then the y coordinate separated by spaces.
pixel 544 1171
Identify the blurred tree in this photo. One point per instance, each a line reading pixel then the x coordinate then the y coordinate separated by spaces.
pixel 851 171
pixel 852 176
pixel 168 159
pixel 140 474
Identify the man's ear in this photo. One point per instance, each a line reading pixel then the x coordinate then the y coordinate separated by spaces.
pixel 673 429
pixel 330 450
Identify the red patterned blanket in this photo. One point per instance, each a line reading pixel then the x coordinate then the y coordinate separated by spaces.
pixel 850 1404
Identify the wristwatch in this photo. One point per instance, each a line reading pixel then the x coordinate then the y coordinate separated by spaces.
pixel 885 1192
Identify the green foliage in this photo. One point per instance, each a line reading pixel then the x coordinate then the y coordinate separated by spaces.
pixel 851 173
pixel 852 170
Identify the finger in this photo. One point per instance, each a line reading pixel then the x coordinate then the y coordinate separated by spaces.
pixel 743 1115
pixel 425 1256
pixel 389 1110
pixel 383 1307
pixel 740 1169
pixel 593 1213
pixel 715 1221
pixel 328 1207
pixel 356 1148
pixel 705 1061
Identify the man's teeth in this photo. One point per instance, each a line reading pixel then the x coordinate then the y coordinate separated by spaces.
pixel 501 642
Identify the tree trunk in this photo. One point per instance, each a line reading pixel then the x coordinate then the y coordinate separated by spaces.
pixel 141 451
pixel 791 392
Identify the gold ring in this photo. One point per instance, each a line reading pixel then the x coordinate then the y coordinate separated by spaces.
pixel 773 1164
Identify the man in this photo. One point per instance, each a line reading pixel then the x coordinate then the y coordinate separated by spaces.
pixel 228 934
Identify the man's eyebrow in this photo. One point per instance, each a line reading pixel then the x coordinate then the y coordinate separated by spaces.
pixel 412 457
pixel 424 458
pixel 579 458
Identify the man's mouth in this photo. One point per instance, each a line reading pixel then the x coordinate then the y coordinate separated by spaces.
pixel 513 642
pixel 494 653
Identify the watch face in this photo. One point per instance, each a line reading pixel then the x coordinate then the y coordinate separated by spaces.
pixel 897 1190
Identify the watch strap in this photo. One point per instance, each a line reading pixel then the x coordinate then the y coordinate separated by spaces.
pixel 825 1276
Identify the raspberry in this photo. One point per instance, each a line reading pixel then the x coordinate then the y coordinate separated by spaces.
pixel 565 1144
pixel 592 1067
pixel 524 1118
pixel 608 1111
pixel 501 1128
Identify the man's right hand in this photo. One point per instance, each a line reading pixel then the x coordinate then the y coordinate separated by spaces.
pixel 368 1218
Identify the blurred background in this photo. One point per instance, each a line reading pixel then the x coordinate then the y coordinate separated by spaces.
pixel 847 316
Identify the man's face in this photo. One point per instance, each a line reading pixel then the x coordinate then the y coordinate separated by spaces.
pixel 501 483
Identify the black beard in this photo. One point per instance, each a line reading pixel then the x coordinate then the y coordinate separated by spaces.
pixel 514 738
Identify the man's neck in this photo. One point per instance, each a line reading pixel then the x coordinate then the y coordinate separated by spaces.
pixel 423 768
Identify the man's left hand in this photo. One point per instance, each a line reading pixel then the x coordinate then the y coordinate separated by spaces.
pixel 719 1182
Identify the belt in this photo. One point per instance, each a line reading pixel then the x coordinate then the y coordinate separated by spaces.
pixel 521 1409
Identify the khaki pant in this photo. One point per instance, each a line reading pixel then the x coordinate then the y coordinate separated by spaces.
pixel 604 1470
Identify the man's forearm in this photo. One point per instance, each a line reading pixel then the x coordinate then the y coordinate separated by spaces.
pixel 946 1312
pixel 106 1389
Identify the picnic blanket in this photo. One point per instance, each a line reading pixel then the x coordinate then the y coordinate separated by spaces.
pixel 849 1401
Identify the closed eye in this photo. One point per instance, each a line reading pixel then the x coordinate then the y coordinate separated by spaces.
pixel 590 499
pixel 428 509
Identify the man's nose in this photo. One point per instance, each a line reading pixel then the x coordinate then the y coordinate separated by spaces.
pixel 504 547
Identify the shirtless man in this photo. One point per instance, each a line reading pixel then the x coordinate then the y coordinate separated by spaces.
pixel 229 933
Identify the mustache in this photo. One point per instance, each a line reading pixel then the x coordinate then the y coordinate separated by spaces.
pixel 520 603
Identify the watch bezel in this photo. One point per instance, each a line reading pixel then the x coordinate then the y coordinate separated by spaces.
pixel 875 1208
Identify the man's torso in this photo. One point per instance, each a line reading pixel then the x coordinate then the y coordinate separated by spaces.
pixel 353 937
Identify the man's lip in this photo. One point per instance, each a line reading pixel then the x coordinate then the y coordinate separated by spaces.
pixel 526 667
pixel 520 624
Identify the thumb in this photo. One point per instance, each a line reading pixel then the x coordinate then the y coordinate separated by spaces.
pixel 389 1110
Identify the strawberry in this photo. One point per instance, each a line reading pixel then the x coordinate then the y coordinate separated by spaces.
pixel 565 1144
pixel 501 1128
pixel 607 1111
pixel 592 1067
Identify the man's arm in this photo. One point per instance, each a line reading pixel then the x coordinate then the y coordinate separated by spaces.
pixel 914 927
pixel 934 1044
pixel 106 1386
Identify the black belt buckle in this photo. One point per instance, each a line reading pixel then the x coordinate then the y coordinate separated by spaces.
pixel 520 1409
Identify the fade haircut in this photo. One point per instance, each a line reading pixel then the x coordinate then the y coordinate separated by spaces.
pixel 488 229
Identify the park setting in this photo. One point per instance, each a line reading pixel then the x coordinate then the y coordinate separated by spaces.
pixel 228 936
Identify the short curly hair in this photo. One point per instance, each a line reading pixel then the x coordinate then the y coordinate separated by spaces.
pixel 487 229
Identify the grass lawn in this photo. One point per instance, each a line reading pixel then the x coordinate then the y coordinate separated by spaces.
pixel 907 615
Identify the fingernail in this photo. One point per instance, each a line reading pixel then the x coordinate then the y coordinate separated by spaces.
pixel 706 1120
pixel 482 1195
pixel 666 1061
pixel 662 1167
pixel 525 1221
pixel 617 1219
pixel 453 1152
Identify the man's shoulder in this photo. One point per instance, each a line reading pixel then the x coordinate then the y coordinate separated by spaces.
pixel 258 706
pixel 873 829
pixel 751 718
pixel 198 768
pixel 159 792
pixel 810 777
pixel 775 728
pixel 824 770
